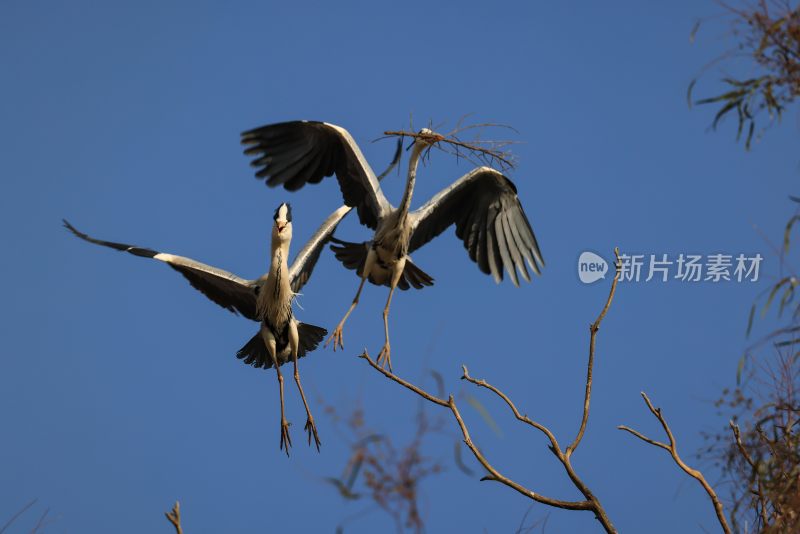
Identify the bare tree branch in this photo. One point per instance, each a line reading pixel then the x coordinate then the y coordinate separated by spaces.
pixel 493 473
pixel 523 418
pixel 174 517
pixel 16 515
pixel 749 459
pixel 419 391
pixel 590 503
pixel 672 448
pixel 39 524
pixel 644 438
pixel 593 328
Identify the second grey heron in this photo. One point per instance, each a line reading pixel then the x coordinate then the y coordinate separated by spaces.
pixel 483 205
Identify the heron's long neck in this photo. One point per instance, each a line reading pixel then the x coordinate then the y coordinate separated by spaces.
pixel 279 260
pixel 275 300
pixel 405 203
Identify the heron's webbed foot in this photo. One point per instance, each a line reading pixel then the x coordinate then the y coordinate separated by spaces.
pixel 311 428
pixel 337 337
pixel 286 440
pixel 385 356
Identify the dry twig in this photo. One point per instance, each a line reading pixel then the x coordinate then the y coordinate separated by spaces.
pixel 673 450
pixel 41 522
pixel 749 459
pixel 477 151
pixel 380 471
pixel 16 515
pixel 590 502
pixel 174 517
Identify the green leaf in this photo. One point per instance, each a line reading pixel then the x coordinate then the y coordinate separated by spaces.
pixel 739 369
pixel 736 94
pixel 721 113
pixel 787 297
pixel 741 121
pixel 695 29
pixel 788 230
pixel 777 24
pixel 750 319
pixel 772 294
pixel 460 460
pixel 437 376
pixel 484 413
pixel 750 134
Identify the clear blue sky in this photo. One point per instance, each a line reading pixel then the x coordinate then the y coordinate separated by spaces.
pixel 119 390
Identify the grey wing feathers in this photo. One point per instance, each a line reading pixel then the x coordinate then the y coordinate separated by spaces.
pixel 306 259
pixel 489 219
pixel 226 289
pixel 295 153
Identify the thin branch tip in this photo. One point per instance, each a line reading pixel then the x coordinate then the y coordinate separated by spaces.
pixel 591 502
pixel 672 449
pixel 174 517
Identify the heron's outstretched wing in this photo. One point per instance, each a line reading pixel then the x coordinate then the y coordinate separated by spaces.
pixel 306 259
pixel 226 289
pixel 295 153
pixel 489 218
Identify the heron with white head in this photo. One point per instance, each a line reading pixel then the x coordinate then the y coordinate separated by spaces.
pixel 483 205
pixel 281 337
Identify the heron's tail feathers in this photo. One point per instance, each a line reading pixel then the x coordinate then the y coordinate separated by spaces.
pixel 354 255
pixel 310 337
pixel 416 276
pixel 255 351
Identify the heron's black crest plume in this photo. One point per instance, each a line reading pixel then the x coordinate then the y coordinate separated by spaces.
pixel 288 212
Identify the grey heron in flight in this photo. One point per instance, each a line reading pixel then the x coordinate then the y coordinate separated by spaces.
pixel 267 299
pixel 483 205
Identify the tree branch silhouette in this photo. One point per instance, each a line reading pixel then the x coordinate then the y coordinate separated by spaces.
pixel 590 501
pixel 174 517
pixel 672 448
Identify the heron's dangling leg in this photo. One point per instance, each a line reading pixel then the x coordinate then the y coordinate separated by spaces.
pixel 337 335
pixel 269 339
pixel 386 352
pixel 294 344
